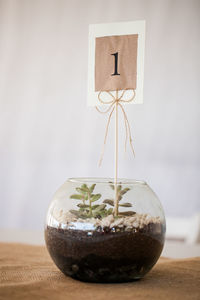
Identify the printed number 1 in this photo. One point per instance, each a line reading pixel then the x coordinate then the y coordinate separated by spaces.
pixel 116 64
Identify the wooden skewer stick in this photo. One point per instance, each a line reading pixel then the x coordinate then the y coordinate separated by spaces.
pixel 116 156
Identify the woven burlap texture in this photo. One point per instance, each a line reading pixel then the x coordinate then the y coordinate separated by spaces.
pixel 27 272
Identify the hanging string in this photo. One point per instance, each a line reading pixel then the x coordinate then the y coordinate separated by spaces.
pixel 112 106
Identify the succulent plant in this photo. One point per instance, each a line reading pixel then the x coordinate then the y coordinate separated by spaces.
pixel 120 193
pixel 88 209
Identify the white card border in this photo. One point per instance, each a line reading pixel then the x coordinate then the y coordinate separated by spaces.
pixel 109 29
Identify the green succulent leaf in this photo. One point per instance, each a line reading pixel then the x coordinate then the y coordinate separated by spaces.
pixel 112 185
pixel 119 187
pixel 124 191
pixel 100 213
pixel 119 197
pixel 81 214
pixel 95 206
pixel 84 186
pixel 126 204
pixel 103 214
pixel 83 205
pixel 127 213
pixel 81 190
pixel 100 207
pixel 109 211
pixel 97 214
pixel 76 212
pixel 76 196
pixel 95 197
pixel 109 201
pixel 92 188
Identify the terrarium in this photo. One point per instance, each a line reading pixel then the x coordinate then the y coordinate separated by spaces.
pixel 100 231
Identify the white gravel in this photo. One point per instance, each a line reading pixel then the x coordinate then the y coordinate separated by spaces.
pixel 68 220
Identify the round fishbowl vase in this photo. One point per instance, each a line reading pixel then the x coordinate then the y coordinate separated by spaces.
pixel 98 231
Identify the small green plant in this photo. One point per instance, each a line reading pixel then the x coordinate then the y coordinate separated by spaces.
pixel 120 193
pixel 87 207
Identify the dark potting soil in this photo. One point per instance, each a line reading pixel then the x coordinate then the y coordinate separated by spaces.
pixel 105 255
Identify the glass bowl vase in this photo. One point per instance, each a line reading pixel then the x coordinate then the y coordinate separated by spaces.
pixel 100 231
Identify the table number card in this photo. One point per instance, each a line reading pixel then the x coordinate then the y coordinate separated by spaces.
pixel 116 59
pixel 116 62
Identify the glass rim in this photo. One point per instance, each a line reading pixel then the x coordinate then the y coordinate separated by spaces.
pixel 104 180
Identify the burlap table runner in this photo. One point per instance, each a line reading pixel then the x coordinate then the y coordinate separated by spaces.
pixel 27 272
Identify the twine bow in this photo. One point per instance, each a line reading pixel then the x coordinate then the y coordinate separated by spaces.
pixel 116 100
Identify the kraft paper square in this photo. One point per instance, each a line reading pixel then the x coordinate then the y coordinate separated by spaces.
pixel 110 30
pixel 116 62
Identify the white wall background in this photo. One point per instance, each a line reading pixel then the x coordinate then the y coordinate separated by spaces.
pixel 47 133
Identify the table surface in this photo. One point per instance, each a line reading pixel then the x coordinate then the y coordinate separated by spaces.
pixel 27 272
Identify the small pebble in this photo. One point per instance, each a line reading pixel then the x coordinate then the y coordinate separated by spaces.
pixel 135 224
pixel 75 268
pixel 118 222
pixel 105 223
